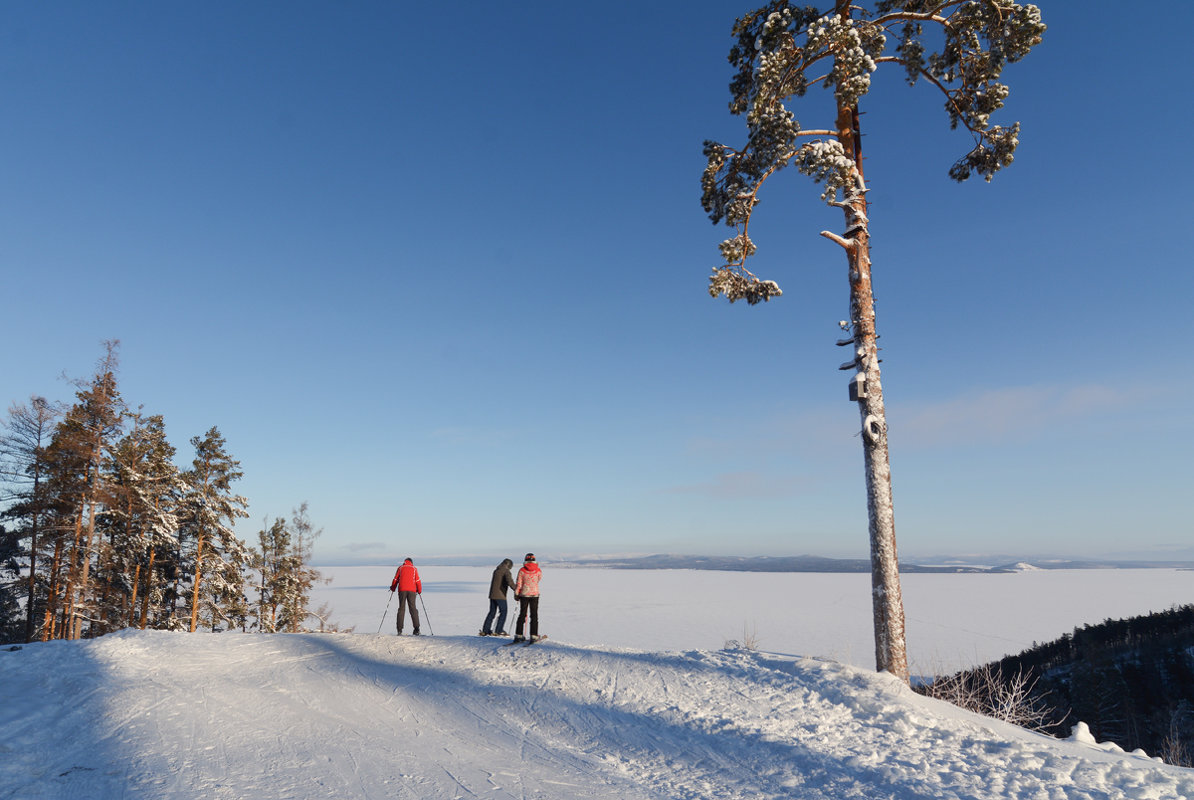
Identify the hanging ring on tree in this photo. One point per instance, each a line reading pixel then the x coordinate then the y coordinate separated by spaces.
pixel 872 427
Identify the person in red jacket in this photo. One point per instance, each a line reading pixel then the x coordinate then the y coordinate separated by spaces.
pixel 406 581
pixel 527 593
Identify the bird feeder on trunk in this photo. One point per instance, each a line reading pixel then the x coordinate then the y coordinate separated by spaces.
pixel 858 387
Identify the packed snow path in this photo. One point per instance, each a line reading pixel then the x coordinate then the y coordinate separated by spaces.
pixel 160 715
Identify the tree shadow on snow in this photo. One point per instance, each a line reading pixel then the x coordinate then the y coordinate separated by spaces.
pixel 664 751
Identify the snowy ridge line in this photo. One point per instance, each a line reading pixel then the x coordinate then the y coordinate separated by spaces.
pixel 805 563
pixel 161 715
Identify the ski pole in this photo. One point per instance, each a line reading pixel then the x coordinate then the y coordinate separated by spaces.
pixel 426 616
pixel 387 611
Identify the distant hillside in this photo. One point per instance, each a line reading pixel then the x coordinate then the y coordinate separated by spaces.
pixel 758 564
pixel 808 563
pixel 802 563
pixel 1131 680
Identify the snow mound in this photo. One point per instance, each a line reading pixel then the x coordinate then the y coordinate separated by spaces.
pixel 162 715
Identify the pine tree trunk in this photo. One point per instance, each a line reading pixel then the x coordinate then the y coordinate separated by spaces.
pixel 148 589
pixel 30 603
pixel 72 574
pixel 52 595
pixel 85 574
pixel 887 602
pixel 198 580
pixel 132 615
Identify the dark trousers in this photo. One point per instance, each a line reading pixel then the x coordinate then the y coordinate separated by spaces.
pixel 530 604
pixel 404 599
pixel 498 608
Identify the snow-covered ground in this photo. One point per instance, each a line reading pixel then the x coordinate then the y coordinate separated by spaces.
pixel 166 716
pixel 633 696
pixel 954 621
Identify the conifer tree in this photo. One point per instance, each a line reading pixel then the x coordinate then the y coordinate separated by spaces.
pixel 64 483
pixel 85 438
pixel 11 626
pixel 285 575
pixel 208 511
pixel 23 475
pixel 274 573
pixel 958 47
pixel 148 486
pixel 306 576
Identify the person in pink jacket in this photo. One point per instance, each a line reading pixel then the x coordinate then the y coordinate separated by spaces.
pixel 526 591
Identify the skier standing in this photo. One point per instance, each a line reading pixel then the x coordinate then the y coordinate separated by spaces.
pixel 497 599
pixel 527 593
pixel 406 581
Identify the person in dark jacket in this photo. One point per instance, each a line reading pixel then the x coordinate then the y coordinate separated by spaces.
pixel 406 581
pixel 497 600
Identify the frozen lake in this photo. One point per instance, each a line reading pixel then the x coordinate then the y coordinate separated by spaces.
pixel 953 620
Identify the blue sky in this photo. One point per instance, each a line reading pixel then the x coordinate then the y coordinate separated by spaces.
pixel 441 274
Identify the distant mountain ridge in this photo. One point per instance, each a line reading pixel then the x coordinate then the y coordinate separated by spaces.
pixel 803 563
pixel 807 563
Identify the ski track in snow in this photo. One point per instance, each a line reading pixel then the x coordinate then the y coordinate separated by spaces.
pixel 160 715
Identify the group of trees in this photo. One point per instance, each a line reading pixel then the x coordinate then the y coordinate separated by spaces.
pixel 101 530
pixel 1130 680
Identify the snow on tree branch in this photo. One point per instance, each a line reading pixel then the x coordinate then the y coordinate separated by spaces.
pixel 971 42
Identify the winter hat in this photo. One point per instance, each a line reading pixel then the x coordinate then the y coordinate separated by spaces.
pixel 408 561
pixel 530 557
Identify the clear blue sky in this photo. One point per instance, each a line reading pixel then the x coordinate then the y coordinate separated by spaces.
pixel 440 272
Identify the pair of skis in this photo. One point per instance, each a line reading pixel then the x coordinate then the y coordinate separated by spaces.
pixel 526 642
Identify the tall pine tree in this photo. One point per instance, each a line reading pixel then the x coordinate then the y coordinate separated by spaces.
pixel 85 438
pixel 959 48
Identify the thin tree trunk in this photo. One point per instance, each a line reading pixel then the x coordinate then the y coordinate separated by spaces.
pixel 33 530
pixel 887 601
pixel 132 615
pixel 52 597
pixel 85 578
pixel 198 579
pixel 132 599
pixel 72 573
pixel 148 589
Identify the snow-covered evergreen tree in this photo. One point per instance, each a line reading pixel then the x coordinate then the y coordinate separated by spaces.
pixel 273 574
pixel 24 491
pixel 147 487
pixel 217 558
pixel 958 47
pixel 305 534
pixel 284 574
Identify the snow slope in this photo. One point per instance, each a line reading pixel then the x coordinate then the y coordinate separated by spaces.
pixel 160 715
